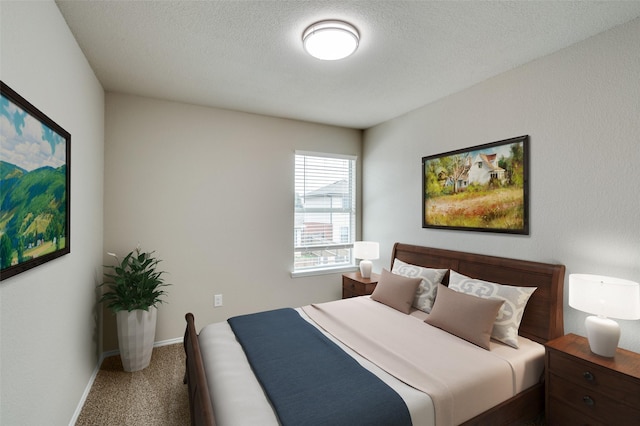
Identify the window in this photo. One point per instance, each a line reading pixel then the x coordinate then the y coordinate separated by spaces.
pixel 325 211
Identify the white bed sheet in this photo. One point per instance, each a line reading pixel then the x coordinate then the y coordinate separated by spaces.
pixel 527 362
pixel 238 398
pixel 462 379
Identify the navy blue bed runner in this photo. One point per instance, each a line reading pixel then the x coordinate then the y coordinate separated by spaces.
pixel 309 379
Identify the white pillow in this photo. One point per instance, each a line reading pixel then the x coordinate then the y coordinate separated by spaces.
pixel 426 292
pixel 505 329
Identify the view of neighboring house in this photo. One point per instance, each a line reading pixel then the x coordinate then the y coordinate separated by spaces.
pixel 323 224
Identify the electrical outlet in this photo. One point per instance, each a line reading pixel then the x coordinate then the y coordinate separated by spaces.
pixel 217 300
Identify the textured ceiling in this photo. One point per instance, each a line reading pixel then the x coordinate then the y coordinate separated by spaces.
pixel 248 56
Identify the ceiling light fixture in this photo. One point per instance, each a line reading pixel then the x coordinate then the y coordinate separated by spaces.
pixel 330 40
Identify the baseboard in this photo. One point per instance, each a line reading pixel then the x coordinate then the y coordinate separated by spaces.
pixel 104 355
pixel 87 389
pixel 168 342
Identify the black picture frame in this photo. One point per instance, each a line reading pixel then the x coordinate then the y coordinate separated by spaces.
pixel 35 186
pixel 482 188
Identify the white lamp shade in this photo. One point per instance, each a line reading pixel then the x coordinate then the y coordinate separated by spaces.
pixel 605 296
pixel 330 40
pixel 367 250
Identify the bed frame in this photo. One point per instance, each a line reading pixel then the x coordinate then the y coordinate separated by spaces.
pixel 542 321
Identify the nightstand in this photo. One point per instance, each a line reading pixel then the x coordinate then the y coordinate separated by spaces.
pixel 586 389
pixel 354 285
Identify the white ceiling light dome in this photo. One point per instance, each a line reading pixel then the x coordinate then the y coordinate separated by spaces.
pixel 330 40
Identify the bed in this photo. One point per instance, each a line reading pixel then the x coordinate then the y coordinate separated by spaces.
pixel 542 321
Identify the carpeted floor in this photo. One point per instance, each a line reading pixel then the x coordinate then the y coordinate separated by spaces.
pixel 153 396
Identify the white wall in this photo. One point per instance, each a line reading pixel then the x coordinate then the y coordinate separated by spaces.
pixel 48 331
pixel 212 192
pixel 580 107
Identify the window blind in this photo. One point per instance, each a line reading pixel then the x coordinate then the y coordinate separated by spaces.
pixel 325 211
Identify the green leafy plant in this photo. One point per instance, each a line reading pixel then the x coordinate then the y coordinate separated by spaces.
pixel 134 283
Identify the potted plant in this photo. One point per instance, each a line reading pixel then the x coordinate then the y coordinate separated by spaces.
pixel 133 290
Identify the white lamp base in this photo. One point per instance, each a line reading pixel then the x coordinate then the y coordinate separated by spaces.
pixel 603 334
pixel 365 268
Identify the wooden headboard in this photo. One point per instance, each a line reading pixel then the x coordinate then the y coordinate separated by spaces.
pixel 542 320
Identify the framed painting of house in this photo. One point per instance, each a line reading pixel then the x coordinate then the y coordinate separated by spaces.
pixel 481 188
pixel 35 155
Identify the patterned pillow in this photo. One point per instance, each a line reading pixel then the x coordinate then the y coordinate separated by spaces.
pixel 505 329
pixel 426 292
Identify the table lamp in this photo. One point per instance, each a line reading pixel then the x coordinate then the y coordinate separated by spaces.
pixel 366 251
pixel 606 298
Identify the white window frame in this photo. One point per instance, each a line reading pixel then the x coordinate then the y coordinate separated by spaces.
pixel 340 252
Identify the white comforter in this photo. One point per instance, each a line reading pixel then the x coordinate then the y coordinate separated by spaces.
pixel 238 398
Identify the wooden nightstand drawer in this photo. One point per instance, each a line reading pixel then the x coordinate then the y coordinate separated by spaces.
pixel 558 413
pixel 358 287
pixel 586 389
pixel 595 378
pixel 593 404
pixel 354 285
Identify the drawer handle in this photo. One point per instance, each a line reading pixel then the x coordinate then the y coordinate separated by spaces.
pixel 588 401
pixel 588 376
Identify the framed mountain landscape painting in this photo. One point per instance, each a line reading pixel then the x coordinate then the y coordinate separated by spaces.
pixel 34 186
pixel 482 188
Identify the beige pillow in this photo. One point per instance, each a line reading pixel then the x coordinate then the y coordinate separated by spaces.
pixel 426 292
pixel 396 291
pixel 468 317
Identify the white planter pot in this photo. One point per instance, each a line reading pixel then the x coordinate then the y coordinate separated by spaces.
pixel 136 335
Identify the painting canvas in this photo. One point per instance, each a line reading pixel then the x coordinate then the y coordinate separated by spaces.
pixel 482 188
pixel 34 186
